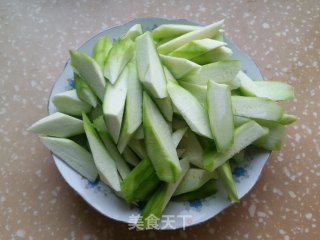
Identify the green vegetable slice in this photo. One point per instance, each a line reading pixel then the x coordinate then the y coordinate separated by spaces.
pixel 73 154
pixel 256 108
pixel 134 31
pixel 159 143
pixel 133 107
pixel 179 67
pixel 89 70
pixel 190 109
pixel 208 189
pixel 243 137
pixel 271 141
pixel 193 149
pixel 150 70
pixel 273 90
pixel 84 92
pixel 220 115
pixel 101 50
pixel 204 32
pixel 169 31
pixel 215 55
pixel 287 119
pixel 105 164
pixel 194 179
pixel 199 91
pixel 225 175
pixel 120 54
pixel 160 198
pixel 224 72
pixel 140 183
pixel 58 125
pixel 114 104
pixel 121 164
pixel 196 48
pixel 69 103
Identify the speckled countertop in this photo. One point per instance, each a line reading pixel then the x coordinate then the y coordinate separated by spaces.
pixel 283 38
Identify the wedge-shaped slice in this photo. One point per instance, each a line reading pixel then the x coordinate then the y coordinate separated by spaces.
pixel 194 179
pixel 220 115
pixel 140 183
pixel 273 90
pixel 73 154
pixel 159 143
pixel 165 107
pixel 199 91
pixel 193 149
pixel 114 103
pixel 204 32
pixel 243 137
pixel 121 164
pixel 167 31
pixel 149 66
pixel 105 164
pixel 161 198
pixel 221 72
pixel 208 189
pixel 256 108
pixel 271 141
pixel 84 92
pixel 101 50
pixel 287 119
pixel 178 135
pixel 120 54
pixel 69 103
pixel 179 67
pixel 214 55
pixel 134 31
pixel 225 175
pixel 89 70
pixel 130 157
pixel 133 107
pixel 196 48
pixel 58 125
pixel 190 109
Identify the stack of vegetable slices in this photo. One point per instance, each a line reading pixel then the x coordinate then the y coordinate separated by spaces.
pixel 159 115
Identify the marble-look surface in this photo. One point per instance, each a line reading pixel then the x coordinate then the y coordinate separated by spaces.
pixel 283 38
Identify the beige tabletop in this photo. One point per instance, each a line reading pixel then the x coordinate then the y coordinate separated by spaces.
pixel 283 38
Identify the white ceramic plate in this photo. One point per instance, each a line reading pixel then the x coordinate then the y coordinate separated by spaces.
pixel 180 215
